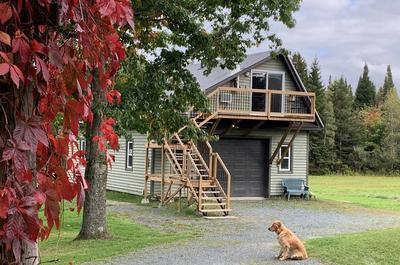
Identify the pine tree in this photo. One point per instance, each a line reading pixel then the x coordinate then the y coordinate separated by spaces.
pixel 322 143
pixel 365 93
pixel 388 85
pixel 346 124
pixel 301 67
pixel 315 85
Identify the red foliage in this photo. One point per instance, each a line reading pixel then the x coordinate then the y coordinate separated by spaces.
pixel 48 50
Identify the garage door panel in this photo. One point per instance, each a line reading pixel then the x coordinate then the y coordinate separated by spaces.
pixel 246 161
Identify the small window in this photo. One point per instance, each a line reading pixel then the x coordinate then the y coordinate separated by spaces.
pixel 286 163
pixel 82 145
pixel 225 97
pixel 129 154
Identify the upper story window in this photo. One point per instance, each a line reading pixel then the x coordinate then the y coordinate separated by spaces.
pixel 129 154
pixel 259 80
pixel 286 163
pixel 275 81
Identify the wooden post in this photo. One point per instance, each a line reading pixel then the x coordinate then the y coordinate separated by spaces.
pixel 162 174
pixel 180 197
pixel 146 175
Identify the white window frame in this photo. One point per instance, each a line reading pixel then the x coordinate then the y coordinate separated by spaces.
pixel 82 145
pixel 129 153
pixel 287 157
pixel 267 72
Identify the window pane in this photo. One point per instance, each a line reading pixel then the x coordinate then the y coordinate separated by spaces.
pixel 130 145
pixel 130 161
pixel 275 81
pixel 259 81
pixel 283 150
pixel 285 164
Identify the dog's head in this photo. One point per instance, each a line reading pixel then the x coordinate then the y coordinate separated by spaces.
pixel 275 226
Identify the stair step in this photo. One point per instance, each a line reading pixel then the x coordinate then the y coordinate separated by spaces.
pixel 214 204
pixel 210 191
pixel 212 198
pixel 215 210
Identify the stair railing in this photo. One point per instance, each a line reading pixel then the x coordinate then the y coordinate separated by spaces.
pixel 200 181
pixel 223 176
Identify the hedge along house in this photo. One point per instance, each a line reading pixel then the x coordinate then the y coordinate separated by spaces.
pixel 262 114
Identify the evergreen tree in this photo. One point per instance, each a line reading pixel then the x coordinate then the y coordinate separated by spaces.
pixel 365 93
pixel 322 143
pixel 346 124
pixel 388 85
pixel 315 85
pixel 390 154
pixel 301 67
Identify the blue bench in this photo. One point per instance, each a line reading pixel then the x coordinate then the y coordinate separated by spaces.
pixel 295 187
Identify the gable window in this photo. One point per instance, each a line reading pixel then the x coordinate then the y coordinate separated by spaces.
pixel 286 163
pixel 129 154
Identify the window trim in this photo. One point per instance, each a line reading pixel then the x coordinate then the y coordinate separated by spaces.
pixel 82 143
pixel 127 155
pixel 267 72
pixel 289 157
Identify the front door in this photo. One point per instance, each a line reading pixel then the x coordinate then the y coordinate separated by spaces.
pixel 258 81
pixel 275 82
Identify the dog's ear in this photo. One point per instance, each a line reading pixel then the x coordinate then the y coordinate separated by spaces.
pixel 278 223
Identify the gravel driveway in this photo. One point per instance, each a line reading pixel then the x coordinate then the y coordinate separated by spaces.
pixel 244 240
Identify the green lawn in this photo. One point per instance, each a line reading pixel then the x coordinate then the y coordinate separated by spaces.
pixel 379 192
pixel 127 236
pixel 371 247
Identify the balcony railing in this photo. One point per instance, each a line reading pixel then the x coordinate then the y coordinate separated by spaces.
pixel 263 104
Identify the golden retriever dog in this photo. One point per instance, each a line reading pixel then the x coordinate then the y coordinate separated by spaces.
pixel 291 246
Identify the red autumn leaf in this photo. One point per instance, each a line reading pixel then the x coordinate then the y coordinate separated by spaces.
pixel 42 67
pixel 52 208
pixel 37 47
pixel 31 132
pixel 4 68
pixel 4 205
pixel 17 154
pixel 21 46
pixel 5 38
pixel 5 12
pixel 114 94
pixel 16 75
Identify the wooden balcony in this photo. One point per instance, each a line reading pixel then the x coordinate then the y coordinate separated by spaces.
pixel 262 104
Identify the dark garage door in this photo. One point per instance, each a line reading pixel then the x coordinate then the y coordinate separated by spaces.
pixel 246 159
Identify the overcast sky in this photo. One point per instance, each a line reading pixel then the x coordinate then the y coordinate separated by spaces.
pixel 344 34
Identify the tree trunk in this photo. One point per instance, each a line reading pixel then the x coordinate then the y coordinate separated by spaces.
pixel 94 224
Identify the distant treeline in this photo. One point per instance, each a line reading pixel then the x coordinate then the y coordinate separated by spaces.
pixel 362 130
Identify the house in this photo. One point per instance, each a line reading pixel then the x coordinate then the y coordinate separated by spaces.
pixel 261 113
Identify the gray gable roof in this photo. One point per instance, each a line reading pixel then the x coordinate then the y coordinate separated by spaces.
pixel 219 75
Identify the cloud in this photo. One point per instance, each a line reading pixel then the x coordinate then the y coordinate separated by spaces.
pixel 344 34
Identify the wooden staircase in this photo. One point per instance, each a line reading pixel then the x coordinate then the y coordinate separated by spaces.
pixel 200 177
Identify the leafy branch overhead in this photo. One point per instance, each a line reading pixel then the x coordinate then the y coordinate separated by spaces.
pixel 155 84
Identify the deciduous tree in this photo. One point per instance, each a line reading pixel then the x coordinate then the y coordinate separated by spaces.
pixel 169 35
pixel 49 51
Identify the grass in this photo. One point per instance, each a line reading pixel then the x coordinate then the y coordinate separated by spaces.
pixel 377 192
pixel 371 247
pixel 172 207
pixel 126 236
